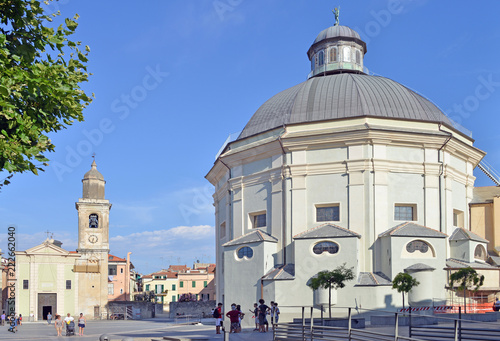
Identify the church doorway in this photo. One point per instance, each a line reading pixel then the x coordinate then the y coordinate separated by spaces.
pixel 46 303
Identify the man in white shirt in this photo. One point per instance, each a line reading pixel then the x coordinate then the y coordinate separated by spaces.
pixel 68 318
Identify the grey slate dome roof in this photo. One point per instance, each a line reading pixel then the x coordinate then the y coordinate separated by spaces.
pixel 337 31
pixel 338 96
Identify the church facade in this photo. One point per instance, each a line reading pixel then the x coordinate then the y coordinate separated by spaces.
pixel 51 279
pixel 344 168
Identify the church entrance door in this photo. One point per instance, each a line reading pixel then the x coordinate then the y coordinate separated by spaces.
pixel 46 303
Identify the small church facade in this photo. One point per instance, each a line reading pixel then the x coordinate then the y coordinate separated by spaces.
pixel 344 168
pixel 51 279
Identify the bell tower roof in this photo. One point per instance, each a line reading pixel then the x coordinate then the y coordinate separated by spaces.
pixel 93 173
pixel 93 183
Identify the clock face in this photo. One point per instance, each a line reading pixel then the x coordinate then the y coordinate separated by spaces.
pixel 93 238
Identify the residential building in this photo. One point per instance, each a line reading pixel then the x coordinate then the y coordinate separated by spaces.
pixel 199 282
pixel 119 278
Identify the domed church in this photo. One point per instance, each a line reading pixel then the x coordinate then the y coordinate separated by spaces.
pixel 344 168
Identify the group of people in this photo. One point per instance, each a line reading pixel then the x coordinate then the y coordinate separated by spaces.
pixel 261 311
pixel 13 321
pixel 59 322
pixel 235 315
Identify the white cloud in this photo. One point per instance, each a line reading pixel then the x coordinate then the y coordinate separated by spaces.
pixel 156 249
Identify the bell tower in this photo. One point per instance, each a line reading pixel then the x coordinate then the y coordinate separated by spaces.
pixel 93 245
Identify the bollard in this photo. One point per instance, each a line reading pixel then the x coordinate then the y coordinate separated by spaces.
pixel 104 337
pixel 226 336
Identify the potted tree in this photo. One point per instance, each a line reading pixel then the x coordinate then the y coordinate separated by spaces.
pixel 466 278
pixel 403 283
pixel 333 279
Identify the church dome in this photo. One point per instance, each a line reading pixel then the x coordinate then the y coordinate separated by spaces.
pixel 337 31
pixel 341 96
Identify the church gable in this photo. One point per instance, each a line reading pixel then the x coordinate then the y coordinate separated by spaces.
pixel 47 248
pixel 326 231
pixel 252 237
pixel 412 230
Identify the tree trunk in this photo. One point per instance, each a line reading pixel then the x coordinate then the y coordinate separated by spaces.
pixel 404 303
pixel 330 302
pixel 465 301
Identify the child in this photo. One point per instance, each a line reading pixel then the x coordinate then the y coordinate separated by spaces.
pixel 255 313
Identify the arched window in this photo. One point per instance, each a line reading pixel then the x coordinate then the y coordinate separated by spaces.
pixel 321 58
pixel 358 57
pixel 333 54
pixel 245 251
pixel 480 253
pixel 347 54
pixel 329 247
pixel 417 245
pixel 93 221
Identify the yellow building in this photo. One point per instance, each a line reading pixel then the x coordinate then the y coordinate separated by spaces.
pixel 51 279
pixel 485 216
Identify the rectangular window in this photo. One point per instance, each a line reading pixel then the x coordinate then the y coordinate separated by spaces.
pixel 458 218
pixel 147 287
pixel 258 220
pixel 121 270
pixel 205 284
pixel 112 271
pixel 181 284
pixel 222 230
pixel 194 284
pixel 68 284
pixel 174 298
pixel 159 288
pixel 25 284
pixel 208 297
pixel 405 212
pixel 111 289
pixel 328 213
pixel 173 287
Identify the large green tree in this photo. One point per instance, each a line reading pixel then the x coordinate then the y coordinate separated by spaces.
pixel 403 283
pixel 40 75
pixel 334 279
pixel 467 279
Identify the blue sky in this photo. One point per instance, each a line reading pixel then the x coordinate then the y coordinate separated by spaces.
pixel 173 79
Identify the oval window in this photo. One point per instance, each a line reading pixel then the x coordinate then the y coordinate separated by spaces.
pixel 329 247
pixel 245 252
pixel 417 245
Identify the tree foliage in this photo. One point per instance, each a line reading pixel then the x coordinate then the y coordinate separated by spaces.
pixel 40 75
pixel 334 279
pixel 467 279
pixel 403 283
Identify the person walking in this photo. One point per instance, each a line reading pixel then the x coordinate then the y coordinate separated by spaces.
pixel 58 324
pixel 81 323
pixel 49 317
pixel 218 318
pixel 3 318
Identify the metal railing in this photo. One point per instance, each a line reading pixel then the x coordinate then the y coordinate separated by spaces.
pixel 454 329
pixel 306 330
pixel 489 171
